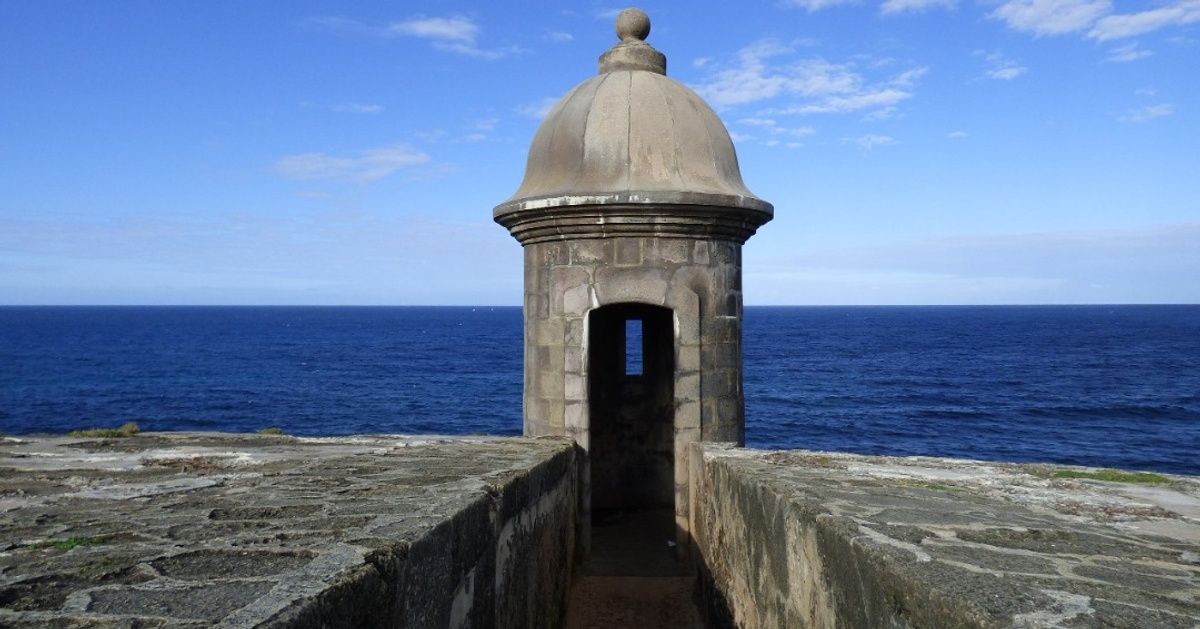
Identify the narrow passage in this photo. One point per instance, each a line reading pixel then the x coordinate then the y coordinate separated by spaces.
pixel 633 579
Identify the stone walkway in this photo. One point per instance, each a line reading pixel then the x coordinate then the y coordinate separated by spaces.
pixel 634 577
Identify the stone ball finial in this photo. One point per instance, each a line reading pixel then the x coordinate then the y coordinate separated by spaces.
pixel 633 24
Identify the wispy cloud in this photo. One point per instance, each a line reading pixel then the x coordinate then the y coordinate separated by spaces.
pixel 365 167
pixel 1127 53
pixel 559 37
pixel 359 108
pixel 1119 26
pixel 776 134
pixel 764 72
pixel 1149 112
pixel 1096 17
pixel 914 6
pixel 998 66
pixel 447 29
pixel 816 5
pixel 456 34
pixel 453 34
pixel 538 109
pixel 871 140
pixel 480 129
pixel 1051 17
pixel 957 135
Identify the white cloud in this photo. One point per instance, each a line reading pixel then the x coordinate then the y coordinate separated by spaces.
pixel 451 34
pixel 369 165
pixel 901 6
pixel 485 124
pixel 1149 112
pixel 454 29
pixel 871 140
pixel 1007 74
pixel 538 109
pixel 1000 67
pixel 1133 24
pixel 882 98
pixel 757 122
pixel 1057 17
pixel 816 5
pixel 1051 17
pixel 774 129
pixel 359 108
pixel 480 130
pixel 909 77
pixel 559 37
pixel 957 135
pixel 761 73
pixel 1127 53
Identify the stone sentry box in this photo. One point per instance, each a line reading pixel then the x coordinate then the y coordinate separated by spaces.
pixel 632 215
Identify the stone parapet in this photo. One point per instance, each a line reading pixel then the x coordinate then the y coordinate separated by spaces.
pixel 199 530
pixel 815 539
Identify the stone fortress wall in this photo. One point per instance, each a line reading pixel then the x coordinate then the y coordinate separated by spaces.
pixel 198 530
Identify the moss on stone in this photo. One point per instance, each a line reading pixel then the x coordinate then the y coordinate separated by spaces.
pixel 1110 475
pixel 128 429
pixel 68 543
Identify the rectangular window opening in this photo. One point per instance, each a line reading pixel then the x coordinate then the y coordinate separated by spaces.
pixel 633 347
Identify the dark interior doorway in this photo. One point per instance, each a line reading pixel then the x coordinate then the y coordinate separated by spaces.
pixel 631 388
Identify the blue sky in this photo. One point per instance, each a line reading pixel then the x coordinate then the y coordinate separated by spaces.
pixel 916 151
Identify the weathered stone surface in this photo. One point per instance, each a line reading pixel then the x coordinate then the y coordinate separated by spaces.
pixel 813 539
pixel 247 531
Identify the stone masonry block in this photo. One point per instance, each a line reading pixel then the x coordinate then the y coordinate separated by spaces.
pixel 628 251
pixel 541 356
pixel 682 294
pixel 590 251
pixel 563 279
pixel 549 332
pixel 575 387
pixel 640 284
pixel 724 252
pixel 577 300
pixel 574 332
pixel 674 250
pixel 688 358
pixel 700 252
pixel 687 387
pixel 550 385
pixel 687 414
pixel 575 416
pixel 573 359
pixel 553 253
pixel 684 437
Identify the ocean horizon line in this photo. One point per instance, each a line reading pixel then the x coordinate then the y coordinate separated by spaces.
pixel 945 305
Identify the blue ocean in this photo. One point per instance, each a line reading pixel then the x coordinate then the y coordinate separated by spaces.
pixel 1111 386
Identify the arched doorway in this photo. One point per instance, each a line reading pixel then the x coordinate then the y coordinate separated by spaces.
pixel 631 393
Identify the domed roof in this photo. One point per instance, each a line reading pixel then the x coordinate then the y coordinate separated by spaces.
pixel 632 140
